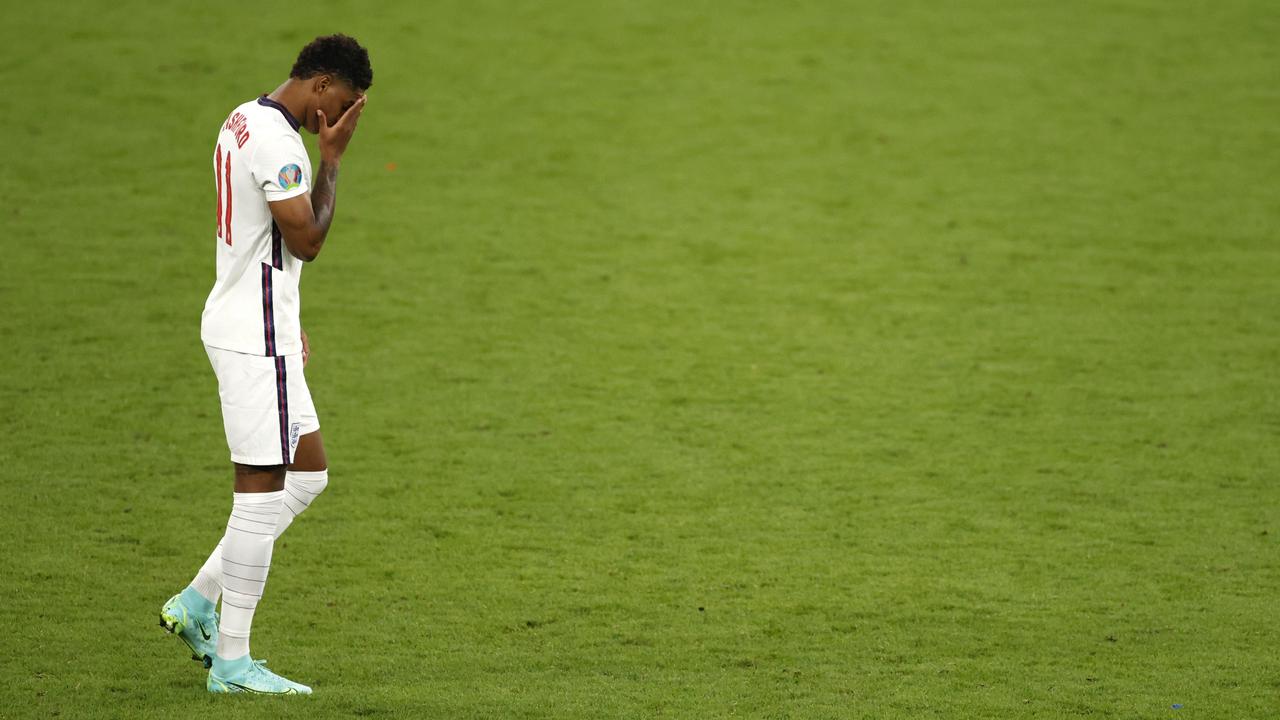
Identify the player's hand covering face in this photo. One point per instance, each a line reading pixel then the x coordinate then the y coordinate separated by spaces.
pixel 332 96
pixel 342 110
pixel 335 134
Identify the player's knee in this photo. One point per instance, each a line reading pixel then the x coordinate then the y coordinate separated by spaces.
pixel 306 485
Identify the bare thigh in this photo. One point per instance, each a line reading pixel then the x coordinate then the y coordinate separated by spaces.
pixel 259 478
pixel 310 457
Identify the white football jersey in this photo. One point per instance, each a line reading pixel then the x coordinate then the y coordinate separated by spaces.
pixel 254 305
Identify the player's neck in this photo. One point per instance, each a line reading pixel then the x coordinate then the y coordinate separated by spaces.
pixel 293 96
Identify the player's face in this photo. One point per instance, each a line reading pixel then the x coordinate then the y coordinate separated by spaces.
pixel 333 96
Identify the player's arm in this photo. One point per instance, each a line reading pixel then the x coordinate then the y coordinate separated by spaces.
pixel 304 220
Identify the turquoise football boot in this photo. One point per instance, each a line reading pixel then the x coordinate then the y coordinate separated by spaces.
pixel 247 675
pixel 195 623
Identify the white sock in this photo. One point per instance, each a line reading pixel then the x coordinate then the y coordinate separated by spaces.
pixel 300 489
pixel 208 582
pixel 246 557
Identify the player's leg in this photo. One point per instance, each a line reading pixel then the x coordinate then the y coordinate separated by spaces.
pixel 308 473
pixel 307 477
pixel 246 561
pixel 262 435
pixel 255 522
pixel 243 382
pixel 257 505
pixel 246 553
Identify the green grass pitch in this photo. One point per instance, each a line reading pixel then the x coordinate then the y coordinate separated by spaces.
pixel 675 359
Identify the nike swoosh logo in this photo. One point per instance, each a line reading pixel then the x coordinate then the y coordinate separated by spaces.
pixel 202 632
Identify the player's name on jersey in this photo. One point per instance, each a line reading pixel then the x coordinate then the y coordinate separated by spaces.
pixel 239 125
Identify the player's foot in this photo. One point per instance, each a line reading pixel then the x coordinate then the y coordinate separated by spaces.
pixel 251 676
pixel 199 630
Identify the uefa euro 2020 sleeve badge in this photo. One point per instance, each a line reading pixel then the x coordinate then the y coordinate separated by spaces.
pixel 290 177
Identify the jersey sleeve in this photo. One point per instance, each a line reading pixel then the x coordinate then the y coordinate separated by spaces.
pixel 278 168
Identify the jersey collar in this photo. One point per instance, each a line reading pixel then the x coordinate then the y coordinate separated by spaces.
pixel 293 122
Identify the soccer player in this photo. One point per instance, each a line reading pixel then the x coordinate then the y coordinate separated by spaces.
pixel 271 218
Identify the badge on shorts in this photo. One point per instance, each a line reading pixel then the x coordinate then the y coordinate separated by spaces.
pixel 293 434
pixel 290 176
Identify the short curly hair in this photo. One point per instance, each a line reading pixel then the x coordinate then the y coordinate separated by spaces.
pixel 338 55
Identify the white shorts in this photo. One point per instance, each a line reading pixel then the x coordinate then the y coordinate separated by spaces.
pixel 266 405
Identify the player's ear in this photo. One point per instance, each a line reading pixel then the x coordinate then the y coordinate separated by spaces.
pixel 321 84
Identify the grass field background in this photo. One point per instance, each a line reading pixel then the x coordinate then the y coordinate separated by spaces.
pixel 675 359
